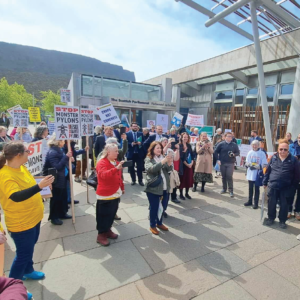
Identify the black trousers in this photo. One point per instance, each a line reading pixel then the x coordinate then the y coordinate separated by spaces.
pixel 256 194
pixel 139 162
pixel 227 173
pixel 274 195
pixel 291 201
pixel 58 203
pixel 173 194
pixel 105 214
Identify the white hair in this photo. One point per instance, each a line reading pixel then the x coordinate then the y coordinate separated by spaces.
pixel 98 129
pixel 107 149
pixel 112 140
pixel 255 142
pixel 219 130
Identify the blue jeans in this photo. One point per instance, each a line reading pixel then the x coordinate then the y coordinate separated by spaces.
pixel 25 242
pixel 153 206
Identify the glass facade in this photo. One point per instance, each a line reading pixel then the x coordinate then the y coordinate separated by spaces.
pixel 97 86
pixel 253 91
pixel 239 96
pixel 87 85
pixel 224 95
pixel 252 102
pixel 115 88
pixel 270 90
pixel 146 92
pixel 287 89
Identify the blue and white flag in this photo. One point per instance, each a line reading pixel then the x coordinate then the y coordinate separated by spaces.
pixel 124 121
pixel 177 119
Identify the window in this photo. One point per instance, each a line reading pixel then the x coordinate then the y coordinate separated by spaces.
pixel 270 90
pixel 253 91
pixel 115 88
pixel 239 96
pixel 224 105
pixel 146 92
pixel 97 86
pixel 287 89
pixel 223 95
pixel 252 102
pixel 87 85
pixel 283 104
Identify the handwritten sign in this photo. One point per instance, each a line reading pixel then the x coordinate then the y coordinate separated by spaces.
pixel 194 120
pixel 34 114
pixel 86 122
pixel 108 115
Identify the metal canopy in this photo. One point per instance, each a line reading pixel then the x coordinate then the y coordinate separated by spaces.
pixel 270 17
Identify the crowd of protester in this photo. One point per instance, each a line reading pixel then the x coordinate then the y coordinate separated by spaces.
pixel 161 162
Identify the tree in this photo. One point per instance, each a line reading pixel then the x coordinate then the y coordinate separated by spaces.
pixel 49 99
pixel 11 95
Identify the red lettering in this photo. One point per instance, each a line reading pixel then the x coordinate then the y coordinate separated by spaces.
pixel 39 146
pixel 31 149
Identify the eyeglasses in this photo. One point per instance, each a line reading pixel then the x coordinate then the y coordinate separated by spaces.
pixel 27 151
pixel 283 149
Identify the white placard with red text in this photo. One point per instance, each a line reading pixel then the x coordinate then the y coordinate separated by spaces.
pixel 11 110
pixel 195 120
pixel 194 139
pixel 35 157
pixel 67 122
pixel 86 122
pixel 20 117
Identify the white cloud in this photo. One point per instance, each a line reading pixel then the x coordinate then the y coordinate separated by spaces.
pixel 146 37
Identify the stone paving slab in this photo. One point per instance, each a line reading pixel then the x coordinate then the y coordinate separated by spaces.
pixel 126 292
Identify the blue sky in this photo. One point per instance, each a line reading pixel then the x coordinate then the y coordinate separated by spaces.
pixel 149 37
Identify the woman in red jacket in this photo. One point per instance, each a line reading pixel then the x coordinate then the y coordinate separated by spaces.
pixel 109 190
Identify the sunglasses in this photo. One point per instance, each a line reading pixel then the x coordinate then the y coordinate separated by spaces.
pixel 283 149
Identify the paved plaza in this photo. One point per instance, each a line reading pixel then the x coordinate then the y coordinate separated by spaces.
pixel 215 249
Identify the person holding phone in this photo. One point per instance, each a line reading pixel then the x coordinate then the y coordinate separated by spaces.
pixel 109 191
pixel 23 208
pixel 158 184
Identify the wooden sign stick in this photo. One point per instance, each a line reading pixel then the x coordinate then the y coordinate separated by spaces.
pixel 87 170
pixel 71 183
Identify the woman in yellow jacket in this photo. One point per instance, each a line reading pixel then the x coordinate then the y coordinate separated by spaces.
pixel 23 208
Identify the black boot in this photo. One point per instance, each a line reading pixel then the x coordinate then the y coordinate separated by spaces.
pixel 181 195
pixel 195 187
pixel 187 194
pixel 203 185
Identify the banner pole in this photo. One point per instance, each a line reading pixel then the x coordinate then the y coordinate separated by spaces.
pixel 71 183
pixel 87 171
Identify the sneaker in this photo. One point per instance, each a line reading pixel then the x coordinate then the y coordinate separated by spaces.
pixel 298 237
pixel 84 178
pixel 162 227
pixel 175 200
pixel 255 206
pixel 181 197
pixel 223 192
pixel 297 216
pixel 269 222
pixel 57 222
pixel 154 230
pixel 35 275
pixel 188 196
pixel 248 203
pixel 231 194
pixel 29 296
pixel 77 179
pixel 282 225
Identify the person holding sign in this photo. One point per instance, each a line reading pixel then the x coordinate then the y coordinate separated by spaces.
pixel 109 191
pixel 23 135
pixel 23 208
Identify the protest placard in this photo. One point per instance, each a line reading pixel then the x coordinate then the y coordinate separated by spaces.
pixel 162 120
pixel 65 96
pixel 20 118
pixel 194 139
pixel 35 157
pixel 108 115
pixel 150 123
pixel 194 120
pixel 34 114
pixel 86 122
pixel 227 130
pixel 67 122
pixel 51 127
pixel 11 110
pixel 244 149
pixel 177 118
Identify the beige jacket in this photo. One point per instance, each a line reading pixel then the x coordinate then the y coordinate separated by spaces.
pixel 204 158
pixel 174 180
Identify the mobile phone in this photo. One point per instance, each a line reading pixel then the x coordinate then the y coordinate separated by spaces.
pixel 127 163
pixel 173 145
pixel 53 172
pixel 122 130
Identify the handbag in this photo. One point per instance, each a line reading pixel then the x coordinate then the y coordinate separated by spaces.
pixel 92 180
pixel 259 177
pixel 154 182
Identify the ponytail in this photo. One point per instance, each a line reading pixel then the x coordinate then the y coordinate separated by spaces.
pixel 10 150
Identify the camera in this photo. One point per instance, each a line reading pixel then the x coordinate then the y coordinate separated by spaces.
pixel 230 154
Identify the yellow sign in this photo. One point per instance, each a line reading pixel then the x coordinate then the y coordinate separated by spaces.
pixel 34 114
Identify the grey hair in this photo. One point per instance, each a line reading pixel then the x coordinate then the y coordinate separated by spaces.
pixel 163 139
pixel 98 129
pixel 39 131
pixel 219 130
pixel 106 149
pixel 52 142
pixel 146 129
pixel 112 140
pixel 172 130
pixel 255 142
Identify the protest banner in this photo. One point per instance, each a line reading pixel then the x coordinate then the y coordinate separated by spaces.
pixel 35 157
pixel 20 118
pixel 162 120
pixel 67 122
pixel 65 96
pixel 34 114
pixel 108 115
pixel 177 118
pixel 194 139
pixel 97 120
pixel 51 127
pixel 194 120
pixel 11 110
pixel 150 123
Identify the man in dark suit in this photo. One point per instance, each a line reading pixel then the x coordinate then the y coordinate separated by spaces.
pixel 154 137
pixel 101 140
pixel 135 153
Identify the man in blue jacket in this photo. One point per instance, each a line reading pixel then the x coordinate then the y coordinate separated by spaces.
pixel 154 137
pixel 254 136
pixel 294 148
pixel 282 178
pixel 135 153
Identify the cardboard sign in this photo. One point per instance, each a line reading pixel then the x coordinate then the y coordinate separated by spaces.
pixel 108 115
pixel 162 120
pixel 34 114
pixel 65 96
pixel 11 110
pixel 244 149
pixel 46 191
pixel 35 157
pixel 194 139
pixel 51 127
pixel 150 123
pixel 86 122
pixel 67 122
pixel 194 120
pixel 20 118
pixel 177 119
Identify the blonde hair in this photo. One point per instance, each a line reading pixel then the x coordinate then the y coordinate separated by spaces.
pixel 53 142
pixel 106 149
pixel 19 129
pixel 2 128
